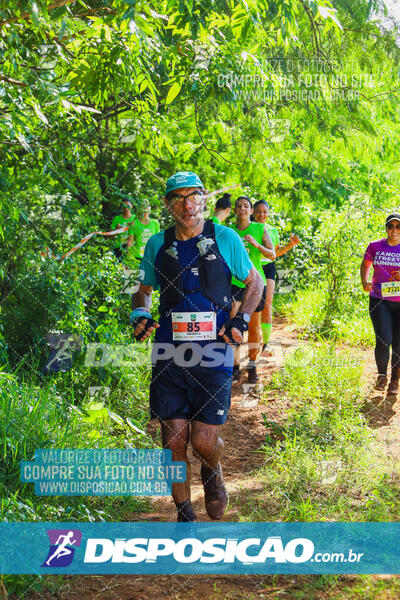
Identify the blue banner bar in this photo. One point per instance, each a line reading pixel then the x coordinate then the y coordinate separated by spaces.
pixel 195 548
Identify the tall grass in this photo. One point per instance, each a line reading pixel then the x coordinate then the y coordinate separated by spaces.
pixel 327 297
pixel 307 310
pixel 318 461
pixel 33 417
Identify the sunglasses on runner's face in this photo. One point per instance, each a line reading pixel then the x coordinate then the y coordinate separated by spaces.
pixel 195 197
pixel 392 226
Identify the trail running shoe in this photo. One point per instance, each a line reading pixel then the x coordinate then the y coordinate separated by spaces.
pixel 236 373
pixel 381 383
pixel 393 387
pixel 267 350
pixel 215 494
pixel 252 376
pixel 186 512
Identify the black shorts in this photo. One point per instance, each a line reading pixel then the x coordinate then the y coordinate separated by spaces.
pixel 237 296
pixel 193 393
pixel 269 270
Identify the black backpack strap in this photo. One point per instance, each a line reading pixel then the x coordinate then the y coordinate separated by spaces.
pixel 169 235
pixel 169 274
pixel 209 229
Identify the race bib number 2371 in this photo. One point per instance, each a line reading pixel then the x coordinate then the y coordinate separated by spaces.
pixel 390 288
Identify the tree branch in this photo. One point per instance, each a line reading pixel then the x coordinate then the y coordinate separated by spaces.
pixel 212 152
pixel 94 11
pixel 314 29
pixel 160 179
pixel 28 16
pixel 13 81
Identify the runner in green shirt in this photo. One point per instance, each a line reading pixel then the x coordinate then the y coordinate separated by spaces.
pixel 143 228
pixel 258 244
pixel 222 209
pixel 261 213
pixel 122 220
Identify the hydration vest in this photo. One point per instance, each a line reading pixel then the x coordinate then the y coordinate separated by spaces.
pixel 214 274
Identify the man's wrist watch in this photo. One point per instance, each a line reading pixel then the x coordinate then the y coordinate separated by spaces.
pixel 244 316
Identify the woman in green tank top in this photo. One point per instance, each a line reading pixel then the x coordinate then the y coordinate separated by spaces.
pixel 261 214
pixel 258 244
pixel 143 228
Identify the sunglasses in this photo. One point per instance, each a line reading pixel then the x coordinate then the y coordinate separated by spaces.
pixel 195 197
pixel 392 226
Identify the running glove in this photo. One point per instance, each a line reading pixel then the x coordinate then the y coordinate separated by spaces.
pixel 138 315
pixel 237 323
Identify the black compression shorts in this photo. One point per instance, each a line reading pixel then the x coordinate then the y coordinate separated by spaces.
pixel 237 296
pixel 269 270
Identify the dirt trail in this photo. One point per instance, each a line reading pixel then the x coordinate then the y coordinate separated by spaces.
pixel 382 411
pixel 243 434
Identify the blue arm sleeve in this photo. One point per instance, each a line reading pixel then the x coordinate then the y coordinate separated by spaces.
pixel 147 274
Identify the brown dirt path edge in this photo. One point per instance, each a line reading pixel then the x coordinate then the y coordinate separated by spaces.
pixel 243 434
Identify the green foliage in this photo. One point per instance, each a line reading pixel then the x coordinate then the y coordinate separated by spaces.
pixel 317 463
pixel 329 299
pixel 66 296
pixel 105 98
pixel 102 100
pixel 43 417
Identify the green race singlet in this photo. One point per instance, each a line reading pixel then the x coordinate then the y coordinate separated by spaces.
pixel 256 230
pixel 274 235
pixel 117 223
pixel 141 233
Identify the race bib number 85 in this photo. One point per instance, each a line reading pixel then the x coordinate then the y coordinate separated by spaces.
pixel 195 326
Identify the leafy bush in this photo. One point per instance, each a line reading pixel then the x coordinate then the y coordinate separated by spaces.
pixel 331 301
pixel 35 417
pixel 317 463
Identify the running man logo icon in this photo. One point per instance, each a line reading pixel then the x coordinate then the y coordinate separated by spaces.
pixel 62 547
